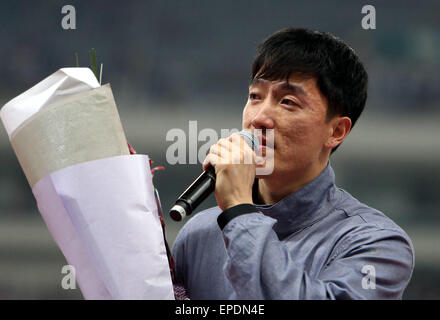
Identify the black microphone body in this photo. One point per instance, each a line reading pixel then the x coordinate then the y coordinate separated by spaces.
pixel 203 186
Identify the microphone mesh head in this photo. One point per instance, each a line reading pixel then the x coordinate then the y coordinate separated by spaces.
pixel 250 139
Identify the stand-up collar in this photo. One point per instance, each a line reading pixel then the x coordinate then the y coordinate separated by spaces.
pixel 302 208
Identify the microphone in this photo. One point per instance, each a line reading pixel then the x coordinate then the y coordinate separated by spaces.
pixel 203 186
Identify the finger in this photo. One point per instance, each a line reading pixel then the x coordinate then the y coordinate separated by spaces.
pixel 238 141
pixel 224 150
pixel 224 143
pixel 241 148
pixel 215 149
pixel 233 150
pixel 210 160
pixel 234 136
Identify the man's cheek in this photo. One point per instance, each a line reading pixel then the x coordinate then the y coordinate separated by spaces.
pixel 246 118
pixel 296 135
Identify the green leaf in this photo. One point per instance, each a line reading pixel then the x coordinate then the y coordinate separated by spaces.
pixel 76 60
pixel 93 64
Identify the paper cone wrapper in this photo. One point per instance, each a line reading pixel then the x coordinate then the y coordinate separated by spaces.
pixel 110 230
pixel 96 199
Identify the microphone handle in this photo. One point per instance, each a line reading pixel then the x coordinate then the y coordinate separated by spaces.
pixel 195 194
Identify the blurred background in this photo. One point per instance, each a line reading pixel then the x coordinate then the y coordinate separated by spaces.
pixel 170 62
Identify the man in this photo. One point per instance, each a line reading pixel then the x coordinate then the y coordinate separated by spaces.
pixel 293 234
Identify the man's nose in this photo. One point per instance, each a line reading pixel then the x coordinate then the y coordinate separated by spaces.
pixel 263 118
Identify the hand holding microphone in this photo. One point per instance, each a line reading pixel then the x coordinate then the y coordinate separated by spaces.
pixel 229 170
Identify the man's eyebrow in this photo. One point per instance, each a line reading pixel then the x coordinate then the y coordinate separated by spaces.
pixel 294 88
pixel 286 86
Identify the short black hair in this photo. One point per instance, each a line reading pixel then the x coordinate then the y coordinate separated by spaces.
pixel 340 75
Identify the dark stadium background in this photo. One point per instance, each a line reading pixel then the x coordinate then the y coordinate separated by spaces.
pixel 170 62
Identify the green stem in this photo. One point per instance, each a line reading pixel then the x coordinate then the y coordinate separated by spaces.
pixel 76 59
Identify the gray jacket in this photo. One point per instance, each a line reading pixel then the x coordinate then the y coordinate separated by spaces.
pixel 316 243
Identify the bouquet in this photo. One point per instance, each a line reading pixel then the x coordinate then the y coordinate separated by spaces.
pixel 97 200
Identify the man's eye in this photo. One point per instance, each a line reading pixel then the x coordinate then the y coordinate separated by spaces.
pixel 253 96
pixel 289 102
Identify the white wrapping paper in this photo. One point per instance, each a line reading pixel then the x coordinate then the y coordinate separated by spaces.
pixel 110 207
pixel 96 200
pixel 59 85
pixel 82 127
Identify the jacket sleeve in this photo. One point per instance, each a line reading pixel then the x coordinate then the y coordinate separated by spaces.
pixel 373 263
pixel 178 253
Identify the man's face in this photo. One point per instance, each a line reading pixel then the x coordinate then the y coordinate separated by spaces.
pixel 296 110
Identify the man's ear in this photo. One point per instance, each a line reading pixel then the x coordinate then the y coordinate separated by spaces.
pixel 339 129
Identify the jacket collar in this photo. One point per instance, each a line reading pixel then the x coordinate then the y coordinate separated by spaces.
pixel 301 208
